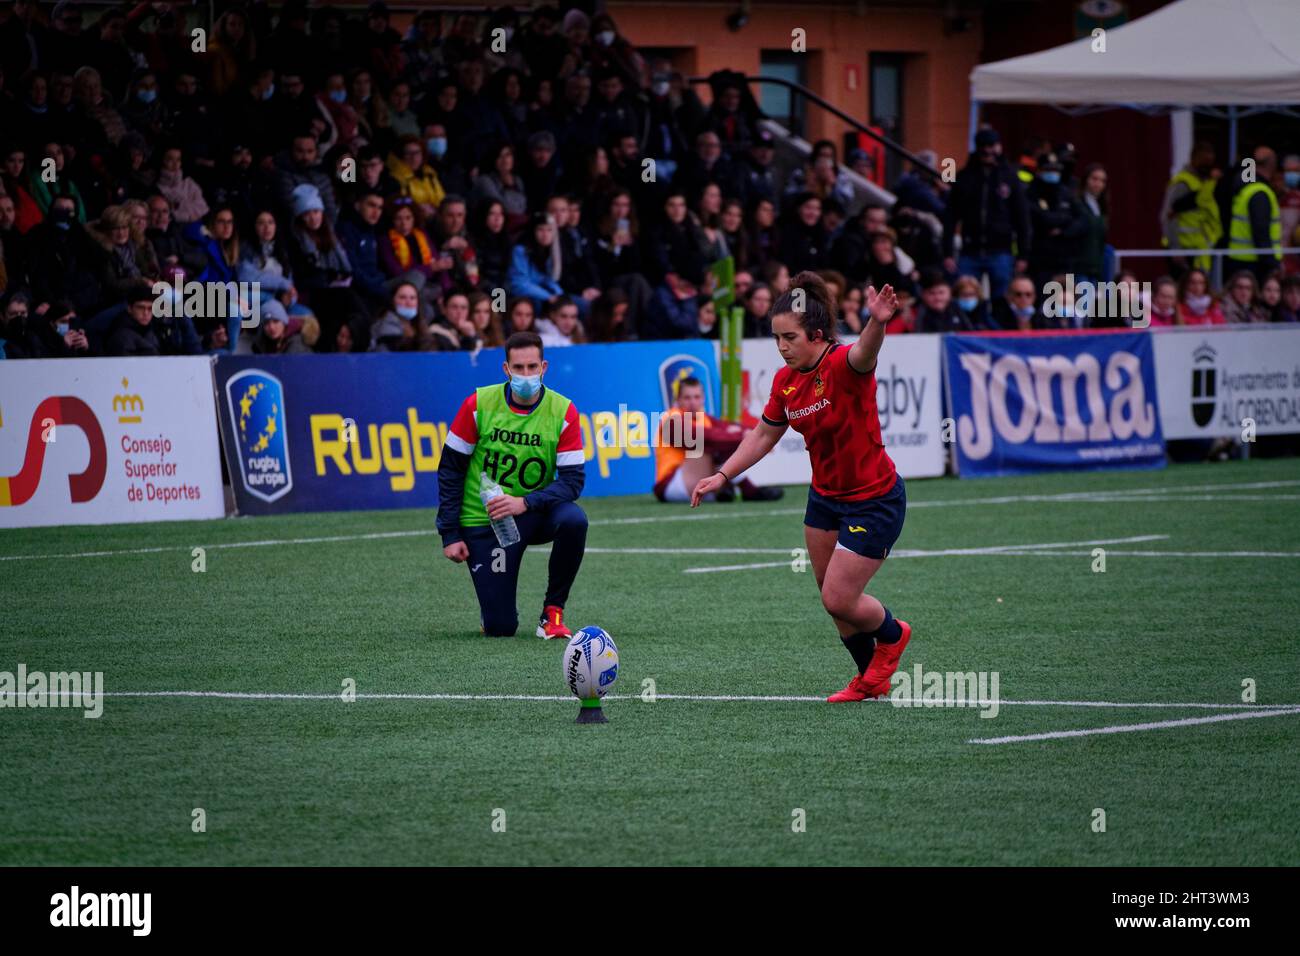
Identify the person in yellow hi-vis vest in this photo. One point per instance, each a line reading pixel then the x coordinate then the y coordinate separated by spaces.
pixel 1256 221
pixel 1189 216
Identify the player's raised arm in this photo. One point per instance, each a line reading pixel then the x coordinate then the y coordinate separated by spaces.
pixel 881 305
pixel 760 440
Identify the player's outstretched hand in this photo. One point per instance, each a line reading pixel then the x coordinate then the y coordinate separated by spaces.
pixel 457 551
pixel 883 304
pixel 706 485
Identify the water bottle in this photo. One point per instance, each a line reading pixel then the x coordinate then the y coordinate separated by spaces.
pixel 506 530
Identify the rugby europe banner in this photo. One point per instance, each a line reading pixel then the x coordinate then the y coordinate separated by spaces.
pixel 1225 381
pixel 1027 403
pixel 908 394
pixel 339 432
pixel 104 440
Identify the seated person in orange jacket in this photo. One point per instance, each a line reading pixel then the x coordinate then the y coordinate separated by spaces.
pixel 690 446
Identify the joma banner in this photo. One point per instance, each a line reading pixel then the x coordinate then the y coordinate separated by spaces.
pixel 1021 404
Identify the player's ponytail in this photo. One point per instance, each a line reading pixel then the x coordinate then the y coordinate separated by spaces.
pixel 808 298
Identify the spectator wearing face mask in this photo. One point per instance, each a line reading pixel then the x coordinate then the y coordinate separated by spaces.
pixel 938 312
pixel 1058 222
pixel 56 334
pixel 611 52
pixel 64 260
pixel 967 296
pixel 13 326
pixel 1195 304
pixel 400 328
pixel 415 178
pixel 1015 310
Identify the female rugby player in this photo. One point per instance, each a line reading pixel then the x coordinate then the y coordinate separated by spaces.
pixel 827 392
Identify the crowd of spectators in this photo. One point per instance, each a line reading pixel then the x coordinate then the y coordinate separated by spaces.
pixel 472 176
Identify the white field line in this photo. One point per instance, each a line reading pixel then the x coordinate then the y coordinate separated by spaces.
pixel 1130 728
pixel 1110 496
pixel 912 702
pixel 1000 549
pixel 1023 553
pixel 1160 554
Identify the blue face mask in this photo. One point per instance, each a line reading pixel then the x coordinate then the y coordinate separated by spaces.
pixel 339 96
pixel 62 328
pixel 1292 179
pixel 1024 311
pixel 437 146
pixel 146 96
pixel 407 311
pixel 525 386
pixel 967 303
pixel 1051 178
pixel 268 92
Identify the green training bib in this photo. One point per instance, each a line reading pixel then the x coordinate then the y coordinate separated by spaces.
pixel 517 451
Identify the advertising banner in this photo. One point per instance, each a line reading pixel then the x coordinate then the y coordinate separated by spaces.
pixel 104 440
pixel 342 432
pixel 1027 403
pixel 1215 381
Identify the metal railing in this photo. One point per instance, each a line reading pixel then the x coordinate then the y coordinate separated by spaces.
pixel 1217 256
pixel 835 111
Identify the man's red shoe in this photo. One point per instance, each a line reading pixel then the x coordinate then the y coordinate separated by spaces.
pixel 552 624
pixel 857 690
pixel 885 661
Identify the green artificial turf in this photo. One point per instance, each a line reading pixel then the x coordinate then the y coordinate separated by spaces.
pixel 673 781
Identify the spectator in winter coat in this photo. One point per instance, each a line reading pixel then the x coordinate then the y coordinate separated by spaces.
pixel 363 236
pixel 300 165
pixel 536 263
pixel 184 194
pixel 987 208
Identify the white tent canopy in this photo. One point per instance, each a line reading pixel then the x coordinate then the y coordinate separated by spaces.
pixel 1191 53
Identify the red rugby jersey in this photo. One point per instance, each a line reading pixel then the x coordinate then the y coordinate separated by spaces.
pixel 834 408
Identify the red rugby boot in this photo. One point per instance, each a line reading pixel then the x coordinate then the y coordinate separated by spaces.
pixel 552 624
pixel 857 690
pixel 885 661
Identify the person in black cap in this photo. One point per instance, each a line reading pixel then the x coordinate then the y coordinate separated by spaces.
pixel 987 208
pixel 756 173
pixel 1059 225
